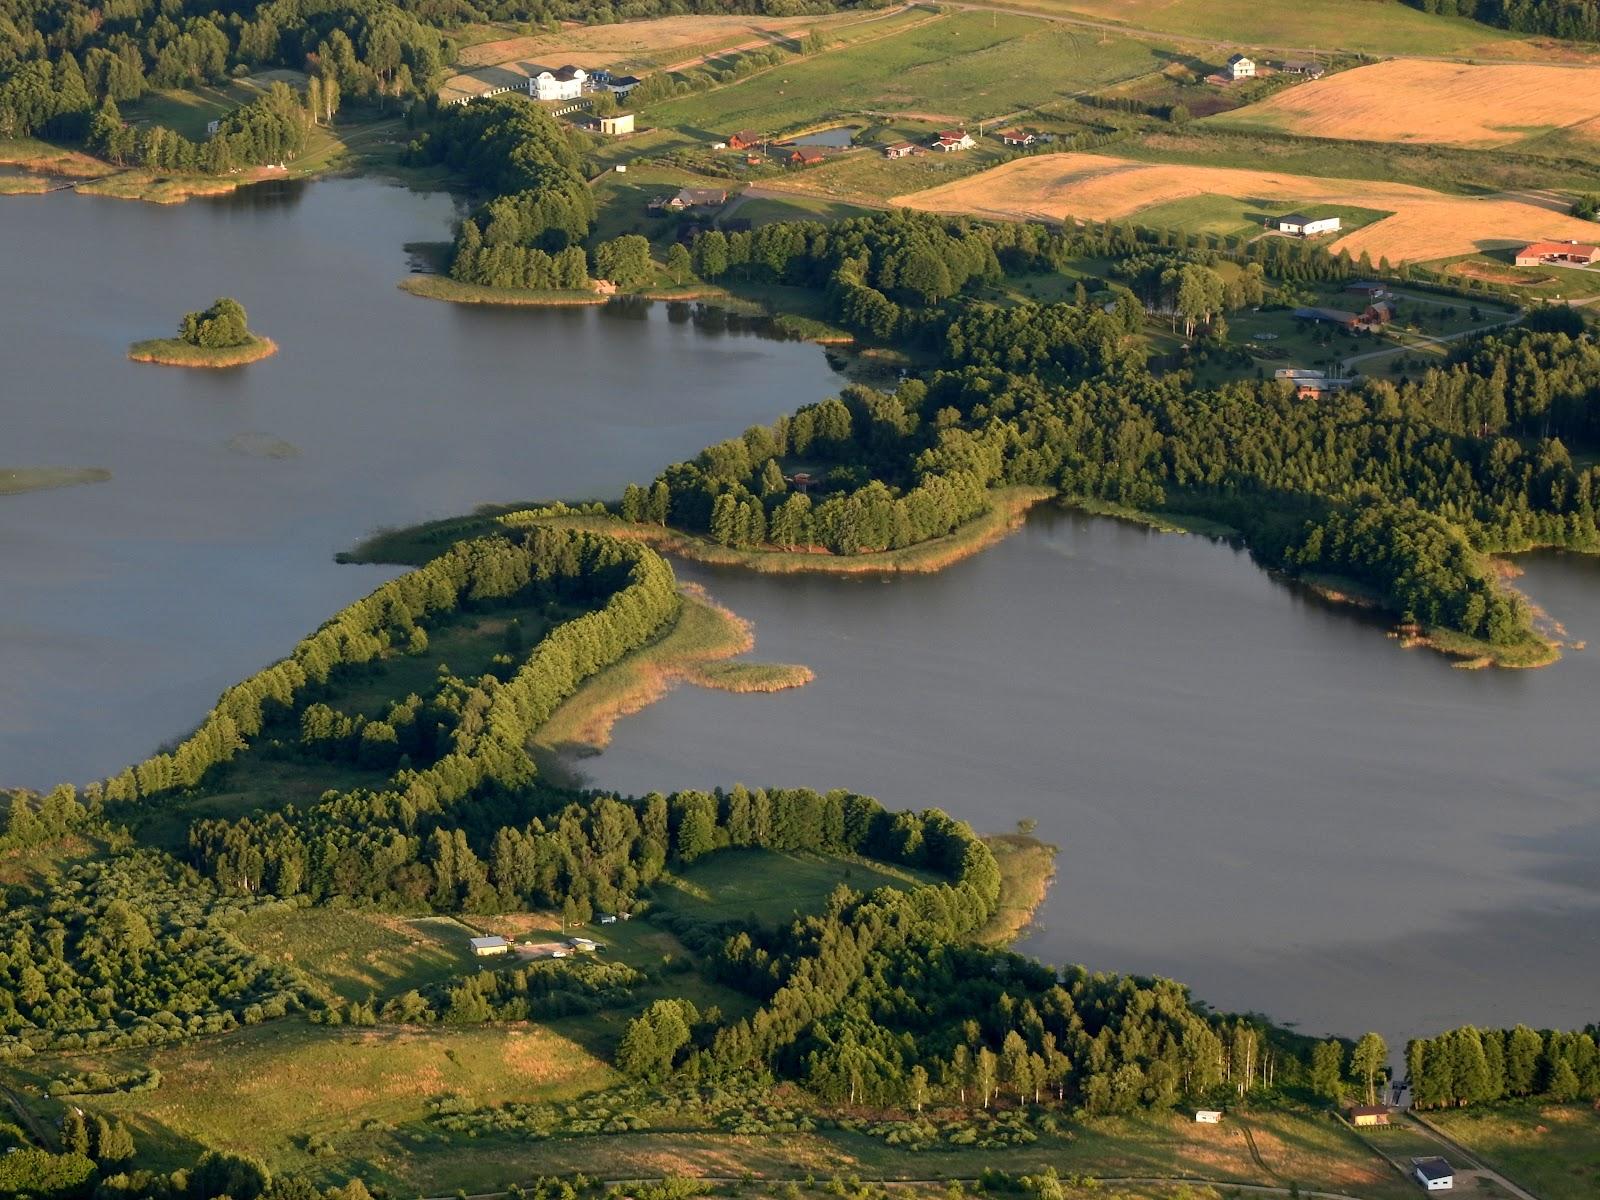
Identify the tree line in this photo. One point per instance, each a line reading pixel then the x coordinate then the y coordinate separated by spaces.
pixel 1577 20
pixel 1469 1066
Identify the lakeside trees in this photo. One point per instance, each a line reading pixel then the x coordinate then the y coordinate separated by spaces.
pixel 1469 1066
pixel 218 327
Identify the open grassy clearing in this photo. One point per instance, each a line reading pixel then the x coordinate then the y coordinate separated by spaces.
pixel 960 68
pixel 356 955
pixel 276 1091
pixel 188 110
pixel 1426 225
pixel 772 887
pixel 1027 866
pixel 1377 28
pixel 1231 216
pixel 1410 100
pixel 869 179
pixel 1551 1149
pixel 34 155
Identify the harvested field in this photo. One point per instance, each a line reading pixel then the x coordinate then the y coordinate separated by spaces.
pixel 632 46
pixel 1425 224
pixel 1410 100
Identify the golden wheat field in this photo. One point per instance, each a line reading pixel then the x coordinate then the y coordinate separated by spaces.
pixel 1423 224
pixel 1410 100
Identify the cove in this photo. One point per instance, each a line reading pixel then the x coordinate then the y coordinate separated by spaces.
pixel 129 605
pixel 1254 792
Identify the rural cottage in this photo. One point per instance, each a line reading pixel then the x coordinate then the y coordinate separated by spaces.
pixel 1300 225
pixel 1240 67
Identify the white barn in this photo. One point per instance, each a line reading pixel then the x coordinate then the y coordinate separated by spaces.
pixel 483 947
pixel 1300 225
pixel 565 84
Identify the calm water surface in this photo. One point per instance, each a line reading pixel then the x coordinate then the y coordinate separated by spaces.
pixel 127 606
pixel 1252 792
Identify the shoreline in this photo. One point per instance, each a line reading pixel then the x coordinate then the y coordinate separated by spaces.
pixel 1009 507
pixel 19 481
pixel 175 352
pixel 695 650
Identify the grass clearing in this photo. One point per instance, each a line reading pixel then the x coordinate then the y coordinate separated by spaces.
pixel 356 955
pixel 1412 100
pixel 1551 1149
pixel 277 1090
pixel 33 155
pixel 189 110
pixel 1426 224
pixel 773 887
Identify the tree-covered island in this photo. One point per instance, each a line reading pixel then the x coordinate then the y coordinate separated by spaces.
pixel 218 336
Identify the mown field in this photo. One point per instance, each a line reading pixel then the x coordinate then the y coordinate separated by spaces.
pixel 1551 1149
pixel 187 111
pixel 1425 224
pixel 1410 100
pixel 961 68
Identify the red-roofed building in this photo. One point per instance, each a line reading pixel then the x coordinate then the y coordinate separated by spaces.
pixel 1557 252
pixel 950 140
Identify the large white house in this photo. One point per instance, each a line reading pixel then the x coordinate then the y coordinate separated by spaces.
pixel 1240 67
pixel 565 84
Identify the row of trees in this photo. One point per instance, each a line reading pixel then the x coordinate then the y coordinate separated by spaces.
pixel 1578 20
pixel 1476 1066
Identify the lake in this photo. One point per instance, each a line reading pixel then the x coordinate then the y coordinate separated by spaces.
pixel 130 605
pixel 1253 791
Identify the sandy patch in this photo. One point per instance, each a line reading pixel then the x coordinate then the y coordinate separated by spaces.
pixel 1410 100
pixel 1425 224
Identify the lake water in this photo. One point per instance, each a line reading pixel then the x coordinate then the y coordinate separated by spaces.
pixel 1253 792
pixel 129 605
pixel 837 138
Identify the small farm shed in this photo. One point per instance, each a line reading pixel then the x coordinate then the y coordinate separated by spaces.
pixel 1367 1115
pixel 1208 1116
pixel 484 947
pixel 1434 1174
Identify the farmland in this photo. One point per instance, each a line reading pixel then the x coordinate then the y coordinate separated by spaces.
pixel 1425 224
pixel 639 46
pixel 1410 100
pixel 959 68
pixel 1376 28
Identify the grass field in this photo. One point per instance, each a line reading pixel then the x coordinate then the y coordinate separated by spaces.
pixel 958 69
pixel 1426 224
pixel 175 352
pixel 356 955
pixel 638 47
pixel 16 480
pixel 279 1091
pixel 772 887
pixel 1378 28
pixel 189 110
pixel 1551 1149
pixel 1410 100
pixel 1229 215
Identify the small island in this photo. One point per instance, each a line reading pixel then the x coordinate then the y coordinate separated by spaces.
pixel 218 336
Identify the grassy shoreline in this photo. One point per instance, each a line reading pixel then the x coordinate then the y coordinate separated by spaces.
pixel 693 651
pixel 175 352
pixel 15 481
pixel 1027 869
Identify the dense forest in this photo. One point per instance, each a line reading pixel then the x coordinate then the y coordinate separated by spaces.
pixel 1477 1066
pixel 1578 20
pixel 1399 484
